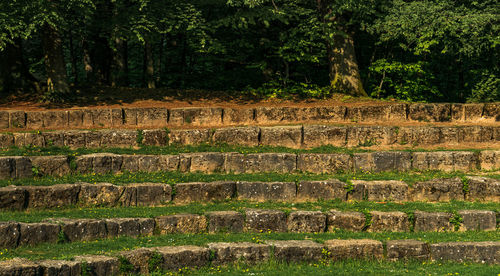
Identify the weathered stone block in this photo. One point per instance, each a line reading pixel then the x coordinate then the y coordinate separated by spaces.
pixel 265 220
pixel 324 162
pixel 433 222
pixel 168 162
pixel 16 119
pixel 36 233
pixel 491 112
pixel 189 136
pixel 6 140
pixel 4 119
pixel 283 191
pixel 238 116
pixel 23 166
pixel 246 136
pixel 55 138
pixel 414 135
pixel 19 266
pixel 7 168
pixel 429 112
pixel 60 267
pixel 306 222
pixel 99 194
pixel 226 253
pixel 155 137
pixel 29 139
pixel 201 191
pixel 350 221
pixel 97 265
pixel 284 136
pixel 75 139
pixel 407 249
pixel 52 196
pixel 382 161
pixel 116 117
pixel 389 222
pixel 225 221
pixel 138 260
pixel 273 115
pixel 438 190
pixel 196 116
pixel 296 251
pixel 181 223
pixel 261 162
pixel 118 138
pixel 478 220
pixel 100 117
pixel 480 252
pixel 57 165
pixel 355 249
pixel 132 227
pixel 175 257
pixel 12 198
pixel 34 120
pixel 9 234
pixel 83 229
pixel 152 117
pixel 205 161
pixel 146 194
pixel 75 118
pixel 445 161
pixel 55 119
pixel 381 190
pixel 328 114
pixel 324 190
pixel 489 159
pixel 484 189
pixel 316 136
pixel 367 136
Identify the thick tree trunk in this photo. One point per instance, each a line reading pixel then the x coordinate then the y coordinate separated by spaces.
pixel 343 66
pixel 120 63
pixel 54 61
pixel 148 66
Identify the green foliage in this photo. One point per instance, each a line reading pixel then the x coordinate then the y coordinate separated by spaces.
pixel 155 262
pixel 486 89
pixel 276 90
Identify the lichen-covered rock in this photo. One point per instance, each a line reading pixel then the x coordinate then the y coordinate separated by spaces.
pixel 407 249
pixel 355 249
pixel 436 222
pixel 225 253
pixel 389 222
pixel 350 221
pixel 265 221
pixel 225 221
pixel 203 191
pixel 322 190
pixel 306 222
pixel 181 223
pixel 296 250
pixel 282 191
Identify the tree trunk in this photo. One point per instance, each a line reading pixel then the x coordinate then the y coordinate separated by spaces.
pixel 120 63
pixel 343 66
pixel 89 70
pixel 148 66
pixel 54 61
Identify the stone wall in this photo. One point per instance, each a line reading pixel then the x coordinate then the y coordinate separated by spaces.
pixel 473 188
pixel 307 136
pixel 163 117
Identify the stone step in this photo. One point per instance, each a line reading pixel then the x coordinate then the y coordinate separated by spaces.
pixel 301 136
pixel 169 258
pixel 216 116
pixel 471 188
pixel 14 234
pixel 210 162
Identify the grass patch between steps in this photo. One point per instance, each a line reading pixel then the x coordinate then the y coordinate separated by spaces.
pixel 177 149
pixel 111 246
pixel 36 215
pixel 172 177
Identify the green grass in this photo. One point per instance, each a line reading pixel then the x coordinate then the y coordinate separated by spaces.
pixel 347 267
pixel 172 177
pixel 111 246
pixel 177 149
pixel 37 215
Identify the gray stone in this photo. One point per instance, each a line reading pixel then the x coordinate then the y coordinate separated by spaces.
pixel 138 259
pixel 51 165
pixel 445 161
pixel 12 198
pixel 19 267
pixel 381 190
pixel 382 161
pixel 438 190
pixel 321 190
pixel 282 191
pixel 407 249
pixel 99 194
pixel 196 116
pixel 478 220
pixel 306 222
pixel 317 135
pixel 9 234
pixel 480 252
pixel 245 136
pixel 75 139
pixel 176 257
pixel 155 137
pixel 97 265
pixel 146 194
pixel 181 223
pixel 484 189
pixel 132 227
pixel 52 196
pixel 6 140
pixel 17 119
pixel 324 162
pixel 367 136
pixel 429 112
pixel 489 159
pixel 60 267
pixel 226 253
pixel 265 221
pixel 389 222
pixel 189 136
pixel 296 250
pixel 119 138
pixel 284 136
pixel 202 191
pixel 435 222
pixel 206 162
pixel 36 233
pixel 350 221
pixel 238 116
pixel 83 229
pixel 225 221
pixel 355 249
pixel 261 162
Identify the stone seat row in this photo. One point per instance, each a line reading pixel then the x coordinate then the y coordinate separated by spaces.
pixel 14 234
pixel 221 253
pixel 307 136
pixel 216 162
pixel 215 116
pixel 471 188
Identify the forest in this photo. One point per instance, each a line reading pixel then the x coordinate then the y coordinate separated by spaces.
pixel 411 50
